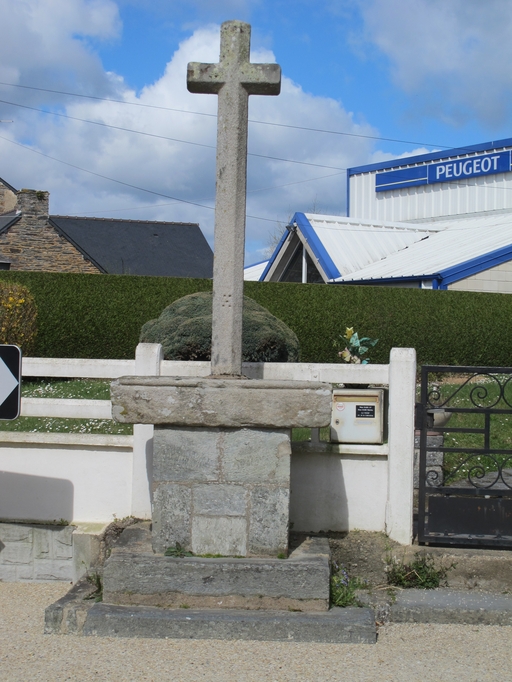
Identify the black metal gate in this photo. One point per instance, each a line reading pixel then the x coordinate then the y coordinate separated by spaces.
pixel 465 465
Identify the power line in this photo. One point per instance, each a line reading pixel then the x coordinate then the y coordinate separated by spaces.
pixel 160 137
pixel 125 184
pixel 202 113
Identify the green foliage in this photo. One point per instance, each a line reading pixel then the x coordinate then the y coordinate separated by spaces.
pixel 177 551
pixel 100 316
pixel 422 572
pixel 185 331
pixel 95 579
pixel 343 589
pixel 18 316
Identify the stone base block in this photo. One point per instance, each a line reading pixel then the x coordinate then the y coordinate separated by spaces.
pixel 133 575
pixel 221 491
pixel 338 626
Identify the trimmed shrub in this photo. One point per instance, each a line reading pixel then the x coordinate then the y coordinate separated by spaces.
pixel 18 316
pixel 185 331
pixel 91 316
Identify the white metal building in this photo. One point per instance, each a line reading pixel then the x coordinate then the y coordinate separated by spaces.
pixel 440 220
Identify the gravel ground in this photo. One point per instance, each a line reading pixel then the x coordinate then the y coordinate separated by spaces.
pixel 403 652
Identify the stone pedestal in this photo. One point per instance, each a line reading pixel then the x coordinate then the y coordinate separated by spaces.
pixel 221 457
pixel 221 491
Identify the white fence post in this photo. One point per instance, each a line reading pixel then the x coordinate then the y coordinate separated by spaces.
pixel 402 389
pixel 148 357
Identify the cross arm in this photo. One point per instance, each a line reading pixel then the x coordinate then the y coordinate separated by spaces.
pixel 261 79
pixel 204 78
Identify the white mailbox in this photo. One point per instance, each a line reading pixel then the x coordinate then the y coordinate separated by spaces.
pixel 357 415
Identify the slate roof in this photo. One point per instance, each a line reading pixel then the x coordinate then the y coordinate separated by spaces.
pixel 138 247
pixel 7 220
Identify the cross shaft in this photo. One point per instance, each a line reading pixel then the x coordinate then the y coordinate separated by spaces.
pixel 233 79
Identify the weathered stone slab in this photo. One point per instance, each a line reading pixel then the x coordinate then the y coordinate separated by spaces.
pixel 337 626
pixel 183 401
pixel 220 500
pixel 185 454
pixel 143 578
pixel 254 456
pixel 451 606
pixel 269 519
pixel 172 511
pixel 226 535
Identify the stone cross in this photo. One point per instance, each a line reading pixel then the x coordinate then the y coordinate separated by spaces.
pixel 233 79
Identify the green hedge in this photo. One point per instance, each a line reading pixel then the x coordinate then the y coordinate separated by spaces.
pixel 100 316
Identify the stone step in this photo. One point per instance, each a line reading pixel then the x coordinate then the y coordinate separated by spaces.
pixel 444 605
pixel 349 625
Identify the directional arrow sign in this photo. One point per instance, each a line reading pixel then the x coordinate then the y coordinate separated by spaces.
pixel 10 381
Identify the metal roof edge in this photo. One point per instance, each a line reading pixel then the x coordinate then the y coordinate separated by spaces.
pixel 15 219
pixel 384 280
pixel 6 184
pixel 124 220
pixel 324 259
pixel 273 257
pixel 432 156
pixel 475 265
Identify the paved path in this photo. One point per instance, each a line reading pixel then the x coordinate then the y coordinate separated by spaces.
pixel 407 653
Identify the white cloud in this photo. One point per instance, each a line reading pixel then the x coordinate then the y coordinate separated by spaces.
pixel 454 57
pixel 276 188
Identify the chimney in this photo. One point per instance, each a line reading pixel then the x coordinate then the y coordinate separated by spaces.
pixel 33 204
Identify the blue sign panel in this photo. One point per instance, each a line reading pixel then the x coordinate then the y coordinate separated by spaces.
pixel 444 171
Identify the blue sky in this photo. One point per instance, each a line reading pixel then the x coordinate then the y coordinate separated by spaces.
pixel 397 76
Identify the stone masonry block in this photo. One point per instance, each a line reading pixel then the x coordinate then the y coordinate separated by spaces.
pixel 256 455
pixel 219 535
pixel 42 541
pixel 172 505
pixel 63 542
pixel 8 573
pixel 16 553
pixel 220 500
pixel 53 569
pixel 15 532
pixel 185 454
pixel 268 524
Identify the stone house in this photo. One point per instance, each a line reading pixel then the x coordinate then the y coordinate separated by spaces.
pixel 32 239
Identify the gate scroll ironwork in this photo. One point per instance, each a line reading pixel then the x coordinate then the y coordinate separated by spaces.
pixel 465 467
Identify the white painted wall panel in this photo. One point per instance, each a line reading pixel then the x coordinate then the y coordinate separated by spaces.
pixel 487 193
pixel 495 280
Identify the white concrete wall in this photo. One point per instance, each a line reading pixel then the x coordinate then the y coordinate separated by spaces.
pixel 335 491
pixel 47 477
pixel 91 478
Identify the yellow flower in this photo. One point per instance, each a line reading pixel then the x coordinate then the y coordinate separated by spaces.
pixel 348 333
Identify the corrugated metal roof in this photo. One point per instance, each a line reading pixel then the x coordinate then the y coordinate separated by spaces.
pixel 355 244
pixel 252 273
pixel 458 241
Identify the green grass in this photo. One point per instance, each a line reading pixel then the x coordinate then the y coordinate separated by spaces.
pixel 305 434
pixel 457 465
pixel 88 389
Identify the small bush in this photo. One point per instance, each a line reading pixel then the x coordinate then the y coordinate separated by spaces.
pixel 422 573
pixel 343 589
pixel 184 329
pixel 18 316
